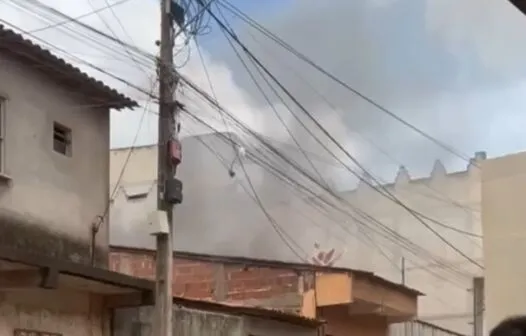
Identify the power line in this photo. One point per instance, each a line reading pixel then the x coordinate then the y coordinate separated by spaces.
pixel 128 82
pixel 236 11
pixel 281 233
pixel 214 104
pixel 284 124
pixel 275 151
pixel 335 110
pixel 95 11
pixel 289 181
pixel 385 192
pixel 116 36
pixel 128 157
pixel 272 107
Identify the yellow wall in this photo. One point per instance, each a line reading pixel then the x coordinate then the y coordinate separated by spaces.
pixel 504 227
pixel 333 289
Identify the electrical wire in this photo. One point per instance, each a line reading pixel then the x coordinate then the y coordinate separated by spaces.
pixel 263 163
pixel 288 130
pixel 116 36
pixel 272 107
pixel 335 110
pixel 113 194
pixel 384 191
pixel 214 104
pixel 388 230
pixel 211 86
pixel 97 69
pixel 236 11
pixel 95 11
pixel 281 233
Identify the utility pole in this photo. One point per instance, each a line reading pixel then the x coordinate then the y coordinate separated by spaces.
pixel 169 189
pixel 478 306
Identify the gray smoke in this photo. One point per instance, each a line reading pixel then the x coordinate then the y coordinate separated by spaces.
pixel 451 83
pixel 453 68
pixel 404 55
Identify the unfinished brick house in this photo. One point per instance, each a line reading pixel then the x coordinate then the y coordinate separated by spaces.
pixel 349 300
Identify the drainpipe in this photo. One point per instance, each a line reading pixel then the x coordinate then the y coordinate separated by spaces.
pixel 478 306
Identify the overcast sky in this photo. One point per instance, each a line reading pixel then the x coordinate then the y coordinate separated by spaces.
pixel 451 67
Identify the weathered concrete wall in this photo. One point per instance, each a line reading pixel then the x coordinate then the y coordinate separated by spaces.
pixel 258 326
pixel 49 201
pixel 190 322
pixel 138 321
pixel 66 313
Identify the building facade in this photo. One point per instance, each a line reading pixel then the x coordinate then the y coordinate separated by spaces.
pixel 46 296
pixel 54 170
pixel 350 301
pixel 503 216
pixel 54 164
pixel 437 251
pixel 42 296
pixel 436 247
pixel 214 319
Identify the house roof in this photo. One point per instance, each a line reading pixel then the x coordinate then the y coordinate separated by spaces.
pixel 61 71
pixel 251 311
pixel 283 265
pixel 114 279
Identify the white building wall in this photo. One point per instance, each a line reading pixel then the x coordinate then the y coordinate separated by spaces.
pixel 425 260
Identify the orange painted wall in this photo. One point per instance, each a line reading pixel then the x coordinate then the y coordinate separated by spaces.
pixel 339 323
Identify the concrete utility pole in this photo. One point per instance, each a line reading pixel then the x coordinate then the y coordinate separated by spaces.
pixel 169 189
pixel 478 306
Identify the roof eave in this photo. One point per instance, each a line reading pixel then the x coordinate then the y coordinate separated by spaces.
pixel 28 51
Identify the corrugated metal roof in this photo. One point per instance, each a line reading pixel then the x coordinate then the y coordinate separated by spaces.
pixel 249 311
pixel 60 70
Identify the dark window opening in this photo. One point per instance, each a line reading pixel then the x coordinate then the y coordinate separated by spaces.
pixel 61 139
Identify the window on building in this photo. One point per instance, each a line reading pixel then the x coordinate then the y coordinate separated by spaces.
pixel 61 139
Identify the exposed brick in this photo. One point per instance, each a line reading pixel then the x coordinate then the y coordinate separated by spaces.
pixel 194 279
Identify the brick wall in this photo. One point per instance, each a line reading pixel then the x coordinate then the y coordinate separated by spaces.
pixel 210 280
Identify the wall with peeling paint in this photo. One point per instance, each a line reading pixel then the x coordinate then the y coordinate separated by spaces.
pixel 190 322
pixel 62 312
pixel 48 201
pixel 138 321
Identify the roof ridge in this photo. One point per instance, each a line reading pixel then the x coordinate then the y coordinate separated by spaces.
pixel 12 42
